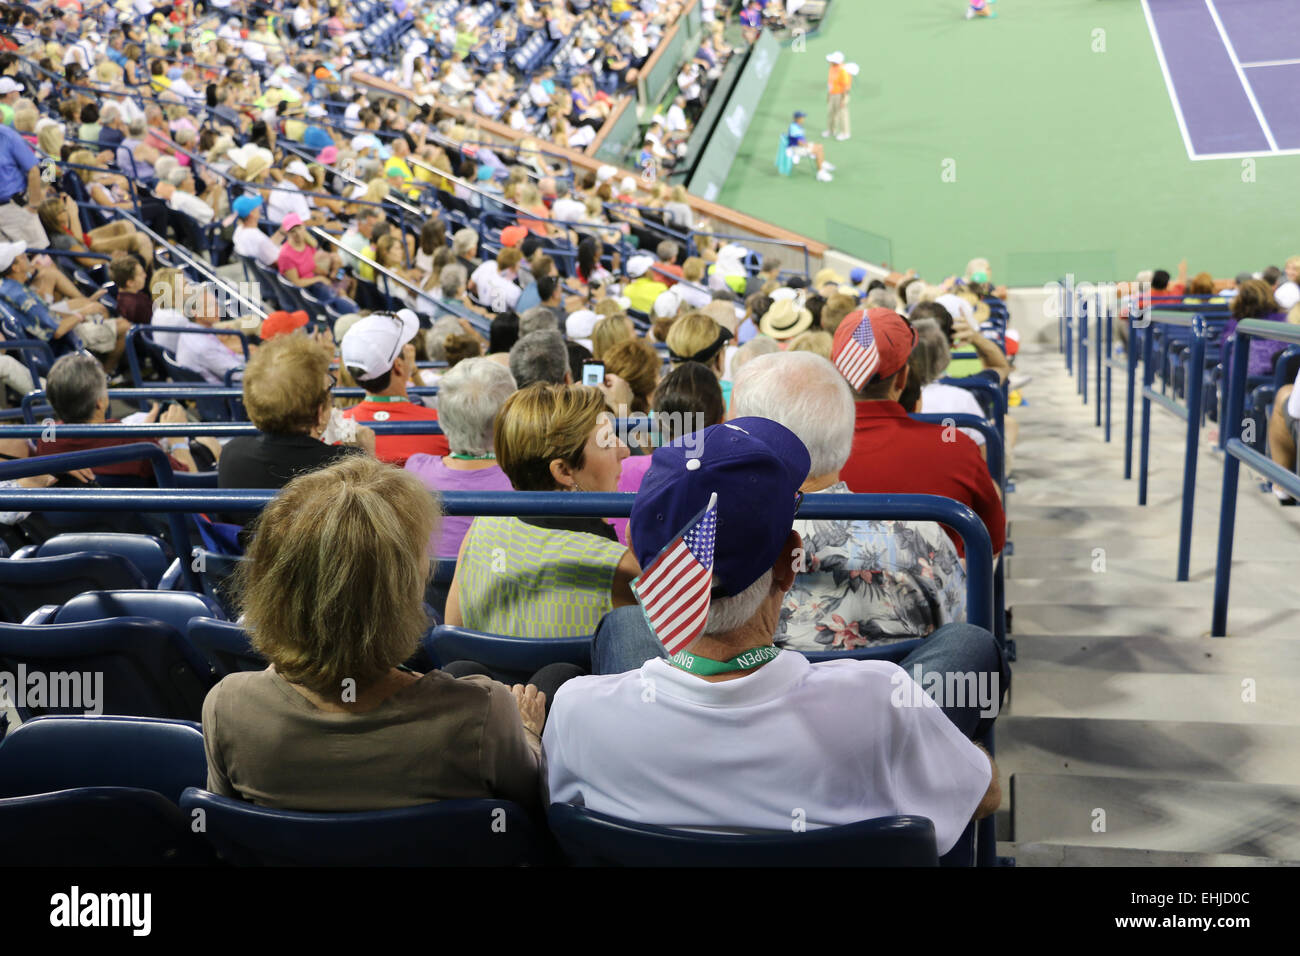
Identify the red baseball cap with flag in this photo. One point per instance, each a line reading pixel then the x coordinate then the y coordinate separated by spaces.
pixel 871 345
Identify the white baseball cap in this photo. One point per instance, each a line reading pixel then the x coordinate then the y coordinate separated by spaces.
pixel 836 57
pixel 373 343
pixel 298 168
pixel 9 251
pixel 628 185
pixel 580 325
pixel 605 174
pixel 7 86
pixel 666 304
pixel 637 265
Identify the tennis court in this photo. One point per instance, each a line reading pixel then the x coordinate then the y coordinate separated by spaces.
pixel 1232 68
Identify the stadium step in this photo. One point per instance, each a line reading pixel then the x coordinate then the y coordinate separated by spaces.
pixel 1152 749
pixel 1121 702
pixel 1180 816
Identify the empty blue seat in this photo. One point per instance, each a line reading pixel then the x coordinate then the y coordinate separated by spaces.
pixel 589 838
pixel 522 656
pixel 450 833
pixel 174 608
pixel 28 584
pixel 143 668
pixel 98 826
pixel 225 645
pixel 64 753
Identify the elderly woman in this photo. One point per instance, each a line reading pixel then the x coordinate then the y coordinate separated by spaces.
pixel 287 396
pixel 469 398
pixel 331 596
pixel 546 577
pixel 862 582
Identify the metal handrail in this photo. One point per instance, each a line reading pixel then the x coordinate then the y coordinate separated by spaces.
pixel 1236 451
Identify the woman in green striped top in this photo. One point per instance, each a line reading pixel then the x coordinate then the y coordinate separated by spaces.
pixel 546 577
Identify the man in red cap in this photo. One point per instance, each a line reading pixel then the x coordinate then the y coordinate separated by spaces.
pixel 282 323
pixel 892 454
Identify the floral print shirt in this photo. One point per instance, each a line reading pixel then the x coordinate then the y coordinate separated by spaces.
pixel 871 582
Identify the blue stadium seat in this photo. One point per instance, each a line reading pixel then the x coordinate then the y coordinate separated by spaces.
pixel 450 833
pixel 63 753
pixel 98 826
pixel 148 669
pixel 173 608
pixel 27 585
pixel 523 656
pixel 145 552
pixel 214 571
pixel 589 838
pixel 225 645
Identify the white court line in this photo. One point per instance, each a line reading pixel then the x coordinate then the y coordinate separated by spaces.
pixel 1241 75
pixel 1249 66
pixel 1169 81
pixel 1246 155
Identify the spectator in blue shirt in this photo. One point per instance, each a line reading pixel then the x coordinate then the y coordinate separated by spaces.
pixel 21 191
pixel 796 138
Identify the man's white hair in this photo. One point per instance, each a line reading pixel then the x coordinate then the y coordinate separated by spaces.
pixel 729 613
pixel 805 393
pixel 469 398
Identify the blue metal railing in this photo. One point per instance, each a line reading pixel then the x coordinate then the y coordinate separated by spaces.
pixel 1236 451
pixel 1191 413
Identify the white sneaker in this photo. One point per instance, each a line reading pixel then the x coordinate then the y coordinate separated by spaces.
pixel 970 13
pixel 824 176
pixel 842 137
pixel 1018 380
pixel 825 133
pixel 829 167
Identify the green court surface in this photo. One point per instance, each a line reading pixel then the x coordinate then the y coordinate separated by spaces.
pixel 1062 159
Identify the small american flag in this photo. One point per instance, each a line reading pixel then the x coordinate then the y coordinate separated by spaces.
pixel 858 359
pixel 674 588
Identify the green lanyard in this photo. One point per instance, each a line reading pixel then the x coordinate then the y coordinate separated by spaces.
pixel 488 457
pixel 704 667
pixel 379 399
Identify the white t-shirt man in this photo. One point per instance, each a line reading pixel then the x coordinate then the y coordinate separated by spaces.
pixel 568 209
pixel 495 291
pixel 193 206
pixel 285 201
pixel 253 243
pixel 940 399
pixel 843 741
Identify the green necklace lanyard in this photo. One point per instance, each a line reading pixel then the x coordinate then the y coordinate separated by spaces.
pixel 704 667
pixel 488 457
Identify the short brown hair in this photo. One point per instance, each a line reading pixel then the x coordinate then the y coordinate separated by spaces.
pixel 508 258
pixel 1254 299
pixel 333 584
pixel 836 308
pixel 637 362
pixel 541 423
pixel 122 270
pixel 1201 284
pixel 284 384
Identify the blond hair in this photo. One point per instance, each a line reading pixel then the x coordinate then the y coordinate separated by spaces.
pixel 333 584
pixel 50 140
pixel 284 385
pixel 691 334
pixel 816 341
pixel 608 332
pixel 541 423
pixel 636 362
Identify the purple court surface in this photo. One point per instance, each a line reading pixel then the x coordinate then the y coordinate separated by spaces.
pixel 1233 72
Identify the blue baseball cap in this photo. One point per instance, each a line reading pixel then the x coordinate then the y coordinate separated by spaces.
pixel 857 275
pixel 799 114
pixel 755 466
pixel 245 204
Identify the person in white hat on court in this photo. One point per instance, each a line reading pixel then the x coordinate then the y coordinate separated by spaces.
pixel 839 81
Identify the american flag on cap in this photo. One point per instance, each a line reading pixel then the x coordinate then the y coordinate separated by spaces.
pixel 674 589
pixel 859 358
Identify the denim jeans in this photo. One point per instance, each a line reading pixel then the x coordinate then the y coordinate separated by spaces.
pixel 624 642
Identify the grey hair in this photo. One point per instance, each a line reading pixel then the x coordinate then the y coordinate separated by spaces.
pixel 137 127
pixel 464 242
pixel 178 175
pixel 881 299
pixel 667 250
pixel 930 355
pixel 805 393
pixel 452 279
pixel 75 383
pixel 536 319
pixel 435 339
pixel 469 397
pixel 729 613
pixel 110 113
pixel 758 345
pixel 539 357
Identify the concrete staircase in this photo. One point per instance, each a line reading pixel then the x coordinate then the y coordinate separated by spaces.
pixel 1131 737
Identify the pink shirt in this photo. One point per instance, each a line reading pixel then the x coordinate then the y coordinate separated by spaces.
pixel 291 258
pixel 634 469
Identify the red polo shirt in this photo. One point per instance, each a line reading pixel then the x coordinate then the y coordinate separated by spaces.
pixel 395 449
pixel 893 454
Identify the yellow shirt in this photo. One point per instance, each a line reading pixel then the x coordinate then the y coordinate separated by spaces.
pixel 396 162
